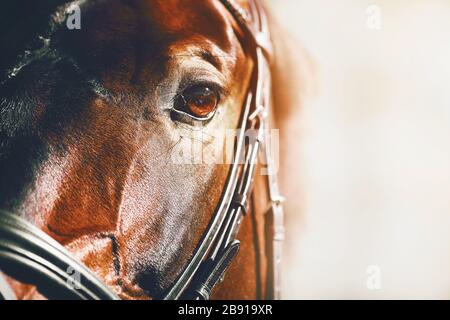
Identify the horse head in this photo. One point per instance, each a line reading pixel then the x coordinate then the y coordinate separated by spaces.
pixel 98 127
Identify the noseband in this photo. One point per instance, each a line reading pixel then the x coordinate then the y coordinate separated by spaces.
pixel 28 253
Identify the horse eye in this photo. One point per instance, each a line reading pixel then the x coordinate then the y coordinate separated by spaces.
pixel 199 101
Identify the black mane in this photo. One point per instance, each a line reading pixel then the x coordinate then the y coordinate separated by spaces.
pixel 22 149
pixel 20 22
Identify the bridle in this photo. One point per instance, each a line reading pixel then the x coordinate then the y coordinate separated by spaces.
pixel 28 253
pixel 219 245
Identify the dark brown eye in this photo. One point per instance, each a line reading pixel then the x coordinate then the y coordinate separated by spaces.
pixel 199 101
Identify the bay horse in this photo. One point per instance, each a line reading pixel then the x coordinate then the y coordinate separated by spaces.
pixel 91 121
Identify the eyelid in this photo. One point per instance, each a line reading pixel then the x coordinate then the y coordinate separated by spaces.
pixel 190 119
pixel 182 116
pixel 217 87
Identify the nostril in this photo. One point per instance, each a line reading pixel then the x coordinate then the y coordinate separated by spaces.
pixel 151 281
pixel 131 291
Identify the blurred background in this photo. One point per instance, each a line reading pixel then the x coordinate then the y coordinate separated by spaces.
pixel 372 151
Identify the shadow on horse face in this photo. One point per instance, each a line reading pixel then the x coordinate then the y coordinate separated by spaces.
pixel 90 129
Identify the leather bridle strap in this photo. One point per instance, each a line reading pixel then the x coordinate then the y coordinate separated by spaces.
pixel 28 254
pixel 219 246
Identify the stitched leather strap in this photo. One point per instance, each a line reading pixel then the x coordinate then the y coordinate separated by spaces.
pixel 30 255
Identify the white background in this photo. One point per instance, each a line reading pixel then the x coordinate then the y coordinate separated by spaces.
pixel 374 156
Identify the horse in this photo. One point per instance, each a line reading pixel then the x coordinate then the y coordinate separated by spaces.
pixel 93 119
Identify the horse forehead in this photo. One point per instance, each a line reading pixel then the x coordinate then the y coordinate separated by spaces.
pixel 157 27
pixel 181 19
